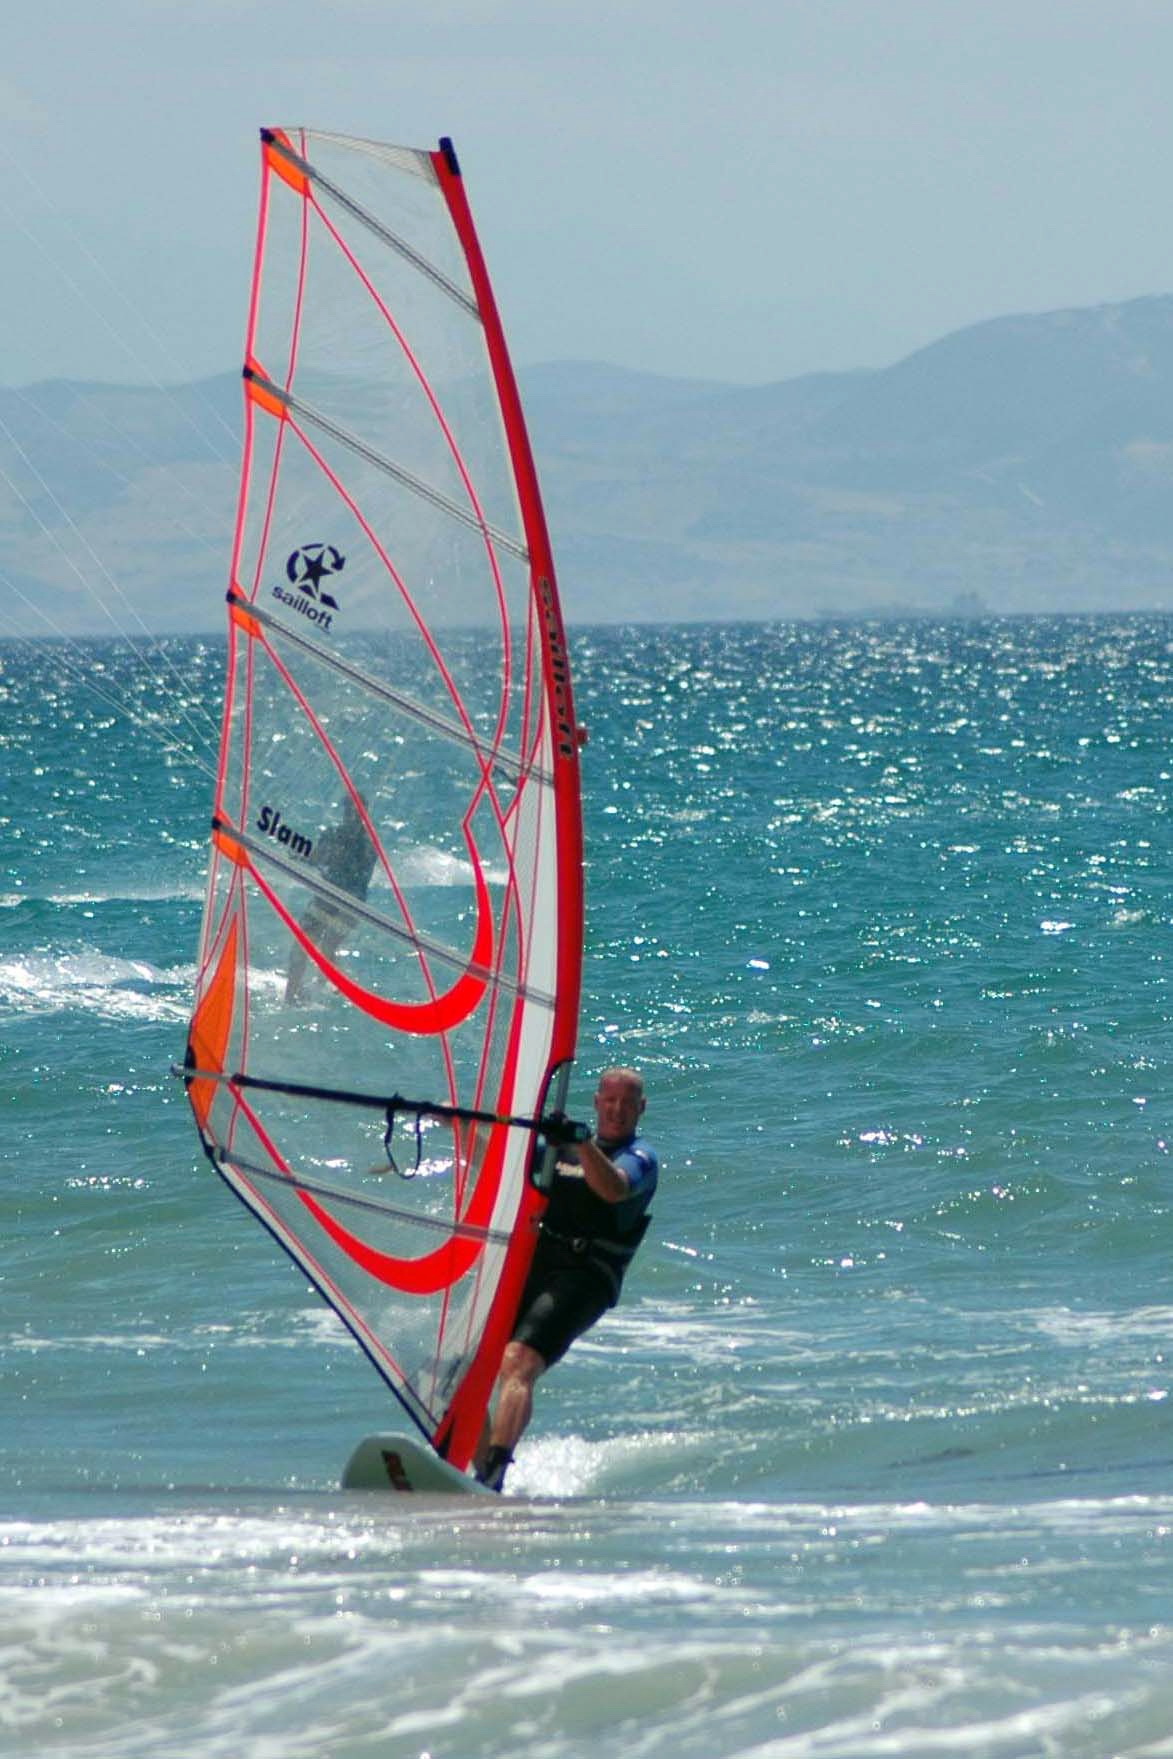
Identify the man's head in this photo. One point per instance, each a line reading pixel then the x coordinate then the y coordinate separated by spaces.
pixel 619 1104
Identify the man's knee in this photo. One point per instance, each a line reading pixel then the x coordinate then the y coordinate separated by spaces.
pixel 521 1362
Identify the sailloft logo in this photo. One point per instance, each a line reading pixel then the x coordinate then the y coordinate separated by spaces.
pixel 306 569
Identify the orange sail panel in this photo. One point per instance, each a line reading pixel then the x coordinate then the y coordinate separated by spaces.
pixel 394 895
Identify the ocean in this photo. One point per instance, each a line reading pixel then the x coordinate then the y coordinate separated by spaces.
pixel 876 1456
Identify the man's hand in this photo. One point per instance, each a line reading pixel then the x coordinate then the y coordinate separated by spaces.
pixel 561 1131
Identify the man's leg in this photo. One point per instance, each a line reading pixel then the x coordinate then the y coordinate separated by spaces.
pixel 568 1304
pixel 521 1367
pixel 295 975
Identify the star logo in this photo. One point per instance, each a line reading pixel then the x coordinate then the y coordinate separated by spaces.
pixel 310 565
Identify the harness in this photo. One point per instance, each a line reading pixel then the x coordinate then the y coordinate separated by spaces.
pixel 610 1257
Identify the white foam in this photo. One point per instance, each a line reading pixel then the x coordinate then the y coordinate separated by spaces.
pixel 190 892
pixel 1067 1327
pixel 427 865
pixel 697 1335
pixel 187 1539
pixel 91 982
pixel 430 866
pixel 572 1466
pixel 88 1343
pixel 252 1331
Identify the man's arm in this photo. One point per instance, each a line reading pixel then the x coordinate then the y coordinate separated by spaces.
pixel 605 1179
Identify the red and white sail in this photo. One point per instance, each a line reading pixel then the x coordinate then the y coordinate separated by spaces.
pixel 395 887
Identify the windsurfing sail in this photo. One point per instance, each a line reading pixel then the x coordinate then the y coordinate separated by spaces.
pixel 394 903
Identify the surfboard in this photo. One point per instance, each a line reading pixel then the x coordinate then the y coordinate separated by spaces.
pixel 401 1463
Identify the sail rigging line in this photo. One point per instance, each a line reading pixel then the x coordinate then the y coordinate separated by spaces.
pixel 177 478
pixel 201 734
pixel 515 768
pixel 133 353
pixel 142 323
pixel 163 664
pixel 283 149
pixel 79 671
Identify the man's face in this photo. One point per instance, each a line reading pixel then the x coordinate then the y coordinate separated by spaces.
pixel 618 1106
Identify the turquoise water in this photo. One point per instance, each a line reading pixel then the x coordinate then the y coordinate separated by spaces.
pixel 877 1455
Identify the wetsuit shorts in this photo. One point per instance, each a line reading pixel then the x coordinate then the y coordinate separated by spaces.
pixel 563 1297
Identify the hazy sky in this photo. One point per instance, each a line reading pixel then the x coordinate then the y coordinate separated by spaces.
pixel 734 189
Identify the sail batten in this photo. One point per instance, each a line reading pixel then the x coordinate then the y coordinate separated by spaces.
pixel 508 763
pixel 395 879
pixel 349 1200
pixel 372 224
pixel 363 912
pixel 399 472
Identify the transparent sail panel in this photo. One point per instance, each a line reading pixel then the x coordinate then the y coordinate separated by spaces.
pixel 394 902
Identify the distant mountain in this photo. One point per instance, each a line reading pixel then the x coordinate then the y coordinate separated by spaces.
pixel 1023 464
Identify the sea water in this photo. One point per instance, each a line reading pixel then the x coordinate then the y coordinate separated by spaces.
pixel 876 1456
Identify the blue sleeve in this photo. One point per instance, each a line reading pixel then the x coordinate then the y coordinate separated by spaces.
pixel 638 1160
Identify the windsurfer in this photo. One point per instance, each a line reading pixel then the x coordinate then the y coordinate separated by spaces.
pixel 596 1217
pixel 345 855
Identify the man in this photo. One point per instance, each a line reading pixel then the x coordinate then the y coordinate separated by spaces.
pixel 345 855
pixel 596 1217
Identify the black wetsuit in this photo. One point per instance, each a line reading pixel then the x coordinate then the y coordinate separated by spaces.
pixel 583 1251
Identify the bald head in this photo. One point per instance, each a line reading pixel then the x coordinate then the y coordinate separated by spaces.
pixel 619 1104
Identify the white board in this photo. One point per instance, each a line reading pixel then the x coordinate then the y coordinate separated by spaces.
pixel 403 1463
